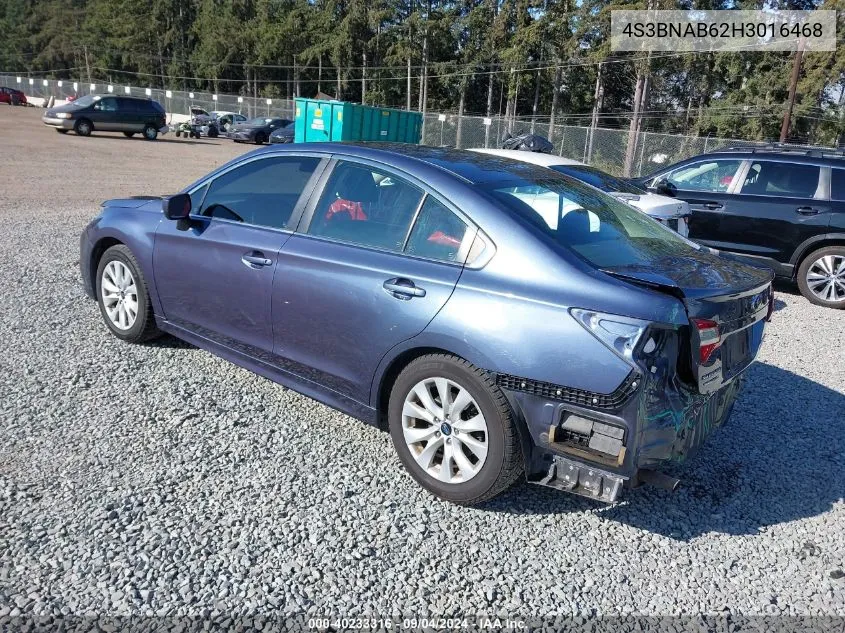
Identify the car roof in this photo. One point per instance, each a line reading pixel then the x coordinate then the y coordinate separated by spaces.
pixel 535 158
pixel 797 154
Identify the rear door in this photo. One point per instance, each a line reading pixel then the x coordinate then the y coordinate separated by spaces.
pixel 214 274
pixel 374 260
pixel 779 204
pixel 707 185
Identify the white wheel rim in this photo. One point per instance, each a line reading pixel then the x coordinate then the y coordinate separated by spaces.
pixel 120 295
pixel 444 430
pixel 826 278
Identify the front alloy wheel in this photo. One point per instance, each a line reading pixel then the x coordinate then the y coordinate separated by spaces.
pixel 445 430
pixel 123 297
pixel 120 295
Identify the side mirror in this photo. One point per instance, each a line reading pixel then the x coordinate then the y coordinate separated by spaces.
pixel 177 207
pixel 664 187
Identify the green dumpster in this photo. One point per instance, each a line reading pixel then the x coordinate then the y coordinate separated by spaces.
pixel 318 120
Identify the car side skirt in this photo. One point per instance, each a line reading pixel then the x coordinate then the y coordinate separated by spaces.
pixel 276 374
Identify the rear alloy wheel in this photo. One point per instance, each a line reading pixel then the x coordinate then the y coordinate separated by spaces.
pixel 150 132
pixel 83 127
pixel 454 430
pixel 821 277
pixel 123 298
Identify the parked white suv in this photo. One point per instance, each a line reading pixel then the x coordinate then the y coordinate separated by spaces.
pixel 669 211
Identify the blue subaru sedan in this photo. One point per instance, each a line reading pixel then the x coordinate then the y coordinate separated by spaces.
pixel 503 322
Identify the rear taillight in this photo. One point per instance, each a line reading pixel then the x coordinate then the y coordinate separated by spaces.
pixel 708 334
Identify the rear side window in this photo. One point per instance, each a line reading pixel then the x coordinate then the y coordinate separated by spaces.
pixel 363 205
pixel 437 234
pixel 712 175
pixel 262 192
pixel 788 180
pixel 837 184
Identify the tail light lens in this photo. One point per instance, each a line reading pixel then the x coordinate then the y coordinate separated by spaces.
pixel 620 334
pixel 710 337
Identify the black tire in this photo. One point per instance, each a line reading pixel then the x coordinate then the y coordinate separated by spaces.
pixel 144 327
pixel 808 261
pixel 150 132
pixel 15 100
pixel 83 127
pixel 260 138
pixel 178 133
pixel 61 130
pixel 504 464
pixel 129 134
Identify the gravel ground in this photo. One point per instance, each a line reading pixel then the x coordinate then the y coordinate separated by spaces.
pixel 159 480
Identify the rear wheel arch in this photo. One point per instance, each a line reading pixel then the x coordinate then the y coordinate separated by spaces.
pixel 810 246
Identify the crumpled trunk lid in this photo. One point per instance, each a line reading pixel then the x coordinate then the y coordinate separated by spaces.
pixel 727 303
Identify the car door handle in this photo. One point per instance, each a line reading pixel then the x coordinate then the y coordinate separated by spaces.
pixel 713 206
pixel 254 259
pixel 402 288
pixel 807 210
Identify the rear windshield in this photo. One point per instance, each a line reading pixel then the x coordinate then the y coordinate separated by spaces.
pixel 603 231
pixel 598 178
pixel 259 121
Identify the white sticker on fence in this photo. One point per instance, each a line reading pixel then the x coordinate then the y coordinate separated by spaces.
pixel 441 117
pixel 488 121
pixel 190 95
pixel 269 101
pixel 240 99
pixel 148 91
pixel 127 89
pixel 168 94
pixel 31 82
pixel 75 86
pixel 110 88
pixel 214 97
pixel 19 79
pixel 59 83
pixel 93 87
pixel 44 83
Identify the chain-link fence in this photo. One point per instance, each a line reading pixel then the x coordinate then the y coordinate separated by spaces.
pixel 604 148
pixel 600 147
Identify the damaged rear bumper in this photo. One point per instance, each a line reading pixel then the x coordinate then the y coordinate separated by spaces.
pixel 596 446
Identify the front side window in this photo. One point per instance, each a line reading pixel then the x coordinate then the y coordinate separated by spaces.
pixel 790 180
pixel 712 175
pixel 437 234
pixel 106 105
pixel 262 192
pixel 366 206
pixel 598 228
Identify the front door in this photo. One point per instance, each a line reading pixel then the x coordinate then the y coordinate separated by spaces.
pixel 105 114
pixel 706 186
pixel 376 262
pixel 214 274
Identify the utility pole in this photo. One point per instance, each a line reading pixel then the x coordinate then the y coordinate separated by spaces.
pixel 408 89
pixel 87 65
pixel 364 81
pixel 793 87
pixel 598 97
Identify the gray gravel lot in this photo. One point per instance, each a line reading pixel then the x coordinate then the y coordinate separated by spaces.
pixel 160 480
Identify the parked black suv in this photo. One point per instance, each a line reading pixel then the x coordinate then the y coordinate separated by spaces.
pixel 782 206
pixel 107 113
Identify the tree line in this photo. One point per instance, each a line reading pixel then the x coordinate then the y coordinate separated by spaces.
pixel 548 59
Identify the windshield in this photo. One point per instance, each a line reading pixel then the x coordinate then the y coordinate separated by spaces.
pixel 83 101
pixel 598 179
pixel 259 121
pixel 600 229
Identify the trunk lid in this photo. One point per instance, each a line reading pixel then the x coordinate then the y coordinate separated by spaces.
pixel 727 303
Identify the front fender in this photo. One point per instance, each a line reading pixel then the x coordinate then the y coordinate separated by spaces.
pixel 136 228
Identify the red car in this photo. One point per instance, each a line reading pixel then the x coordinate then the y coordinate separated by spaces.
pixel 12 96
